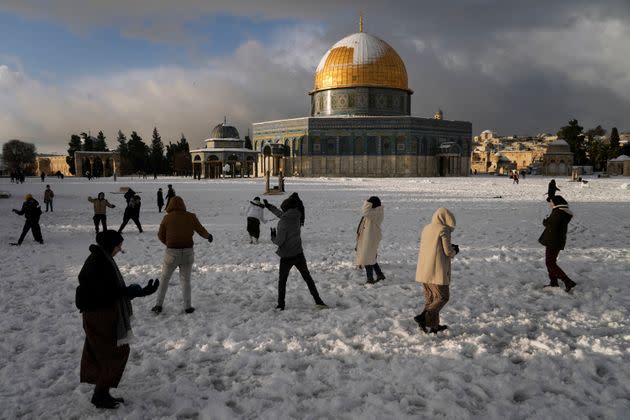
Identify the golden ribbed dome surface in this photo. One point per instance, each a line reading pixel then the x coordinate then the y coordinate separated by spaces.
pixel 360 60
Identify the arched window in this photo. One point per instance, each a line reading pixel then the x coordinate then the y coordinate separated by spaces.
pixel 331 146
pixel 386 146
pixel 345 145
pixel 372 145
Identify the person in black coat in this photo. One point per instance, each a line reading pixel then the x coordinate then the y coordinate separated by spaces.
pixel 170 193
pixel 551 190
pixel 31 211
pixel 160 200
pixel 105 304
pixel 132 212
pixel 554 239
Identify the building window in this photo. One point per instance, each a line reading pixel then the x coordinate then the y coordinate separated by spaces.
pixel 345 145
pixel 331 146
pixel 400 145
pixel 386 146
pixel 359 147
pixel 372 145
pixel 317 146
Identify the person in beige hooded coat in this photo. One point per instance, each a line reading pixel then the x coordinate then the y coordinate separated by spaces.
pixel 434 268
pixel 368 237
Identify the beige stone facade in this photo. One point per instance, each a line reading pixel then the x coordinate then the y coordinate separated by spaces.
pixel 50 164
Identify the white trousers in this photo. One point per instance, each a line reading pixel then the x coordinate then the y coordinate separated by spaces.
pixel 176 258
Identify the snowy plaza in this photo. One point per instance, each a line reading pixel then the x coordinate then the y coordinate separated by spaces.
pixel 513 351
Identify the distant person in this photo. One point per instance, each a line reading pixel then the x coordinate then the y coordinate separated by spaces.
pixel 48 198
pixel 551 190
pixel 105 304
pixel 160 200
pixel 515 177
pixel 43 176
pixel 176 232
pixel 170 193
pixel 554 238
pixel 288 239
pixel 31 212
pixel 368 237
pixel 254 215
pixel 129 195
pixel 132 212
pixel 100 210
pixel 434 268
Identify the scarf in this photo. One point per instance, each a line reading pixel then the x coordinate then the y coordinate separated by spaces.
pixel 123 307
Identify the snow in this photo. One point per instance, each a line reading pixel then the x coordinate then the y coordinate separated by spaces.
pixel 513 350
pixel 366 49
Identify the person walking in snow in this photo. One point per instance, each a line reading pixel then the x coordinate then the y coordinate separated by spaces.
pixel 100 210
pixel 160 200
pixel 287 238
pixel 554 238
pixel 105 304
pixel 551 190
pixel 48 198
pixel 434 268
pixel 170 193
pixel 176 232
pixel 368 237
pixel 254 215
pixel 43 176
pixel 31 212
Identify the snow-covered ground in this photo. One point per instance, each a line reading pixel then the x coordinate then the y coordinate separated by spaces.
pixel 513 350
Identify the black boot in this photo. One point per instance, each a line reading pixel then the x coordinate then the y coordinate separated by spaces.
pixel 439 328
pixel 569 284
pixel 103 400
pixel 421 320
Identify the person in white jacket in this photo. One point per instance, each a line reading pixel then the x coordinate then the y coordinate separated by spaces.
pixel 368 237
pixel 254 215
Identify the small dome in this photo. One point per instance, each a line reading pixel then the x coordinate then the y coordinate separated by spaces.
pixel 223 131
pixel 361 60
pixel 558 146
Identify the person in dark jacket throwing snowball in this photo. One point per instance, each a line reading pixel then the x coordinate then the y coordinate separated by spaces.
pixel 287 237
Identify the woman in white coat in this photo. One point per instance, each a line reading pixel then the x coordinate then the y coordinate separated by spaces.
pixel 254 215
pixel 368 237
pixel 434 268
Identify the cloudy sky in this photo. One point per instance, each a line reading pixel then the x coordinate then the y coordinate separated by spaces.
pixel 517 67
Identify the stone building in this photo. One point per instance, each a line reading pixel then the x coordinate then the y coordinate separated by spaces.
pixel 558 159
pixel 619 166
pixel 361 123
pixel 50 164
pixel 224 147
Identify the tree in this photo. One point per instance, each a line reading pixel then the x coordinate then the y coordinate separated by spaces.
pixel 138 153
pixel 18 155
pixel 595 148
pixel 614 148
pixel 123 152
pixel 75 146
pixel 100 145
pixel 573 135
pixel 178 156
pixel 157 153
pixel 88 142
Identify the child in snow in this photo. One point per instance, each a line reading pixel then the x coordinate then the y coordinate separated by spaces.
pixel 554 238
pixel 48 198
pixel 100 210
pixel 287 238
pixel 254 215
pixel 160 200
pixel 368 237
pixel 31 212
pixel 105 304
pixel 434 268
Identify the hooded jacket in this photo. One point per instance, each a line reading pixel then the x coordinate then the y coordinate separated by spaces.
pixel 178 226
pixel 288 232
pixel 436 251
pixel 555 234
pixel 369 234
pixel 30 210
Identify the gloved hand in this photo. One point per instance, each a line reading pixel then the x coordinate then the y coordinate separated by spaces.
pixel 210 239
pixel 113 206
pixel 150 288
pixel 15 211
pixel 133 291
pixel 273 233
pixel 456 248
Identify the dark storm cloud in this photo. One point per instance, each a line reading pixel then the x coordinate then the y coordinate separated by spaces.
pixel 519 67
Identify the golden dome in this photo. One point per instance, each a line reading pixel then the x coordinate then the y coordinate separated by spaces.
pixel 360 60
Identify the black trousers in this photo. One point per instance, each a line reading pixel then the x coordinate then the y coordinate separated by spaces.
pixel 49 204
pixel 126 219
pixel 253 227
pixel 100 218
pixel 37 232
pixel 285 267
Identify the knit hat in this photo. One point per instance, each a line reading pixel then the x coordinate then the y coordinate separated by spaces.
pixel 293 202
pixel 558 200
pixel 376 202
pixel 257 199
pixel 109 239
pixel 28 197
